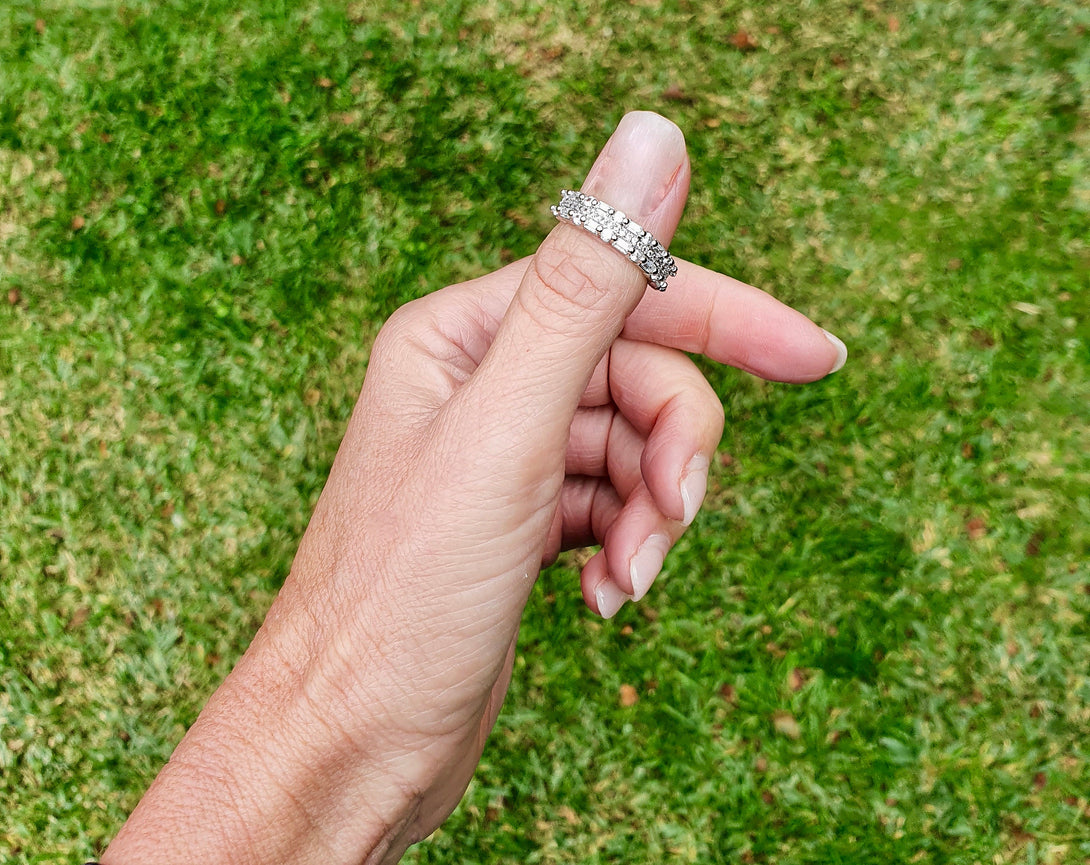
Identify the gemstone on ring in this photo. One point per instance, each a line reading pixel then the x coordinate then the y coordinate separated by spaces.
pixel 612 226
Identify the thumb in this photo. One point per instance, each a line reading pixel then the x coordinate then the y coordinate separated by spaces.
pixel 578 290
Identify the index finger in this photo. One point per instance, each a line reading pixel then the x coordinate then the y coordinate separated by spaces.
pixel 734 323
pixel 702 312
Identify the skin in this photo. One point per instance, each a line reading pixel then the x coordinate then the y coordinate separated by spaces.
pixel 547 405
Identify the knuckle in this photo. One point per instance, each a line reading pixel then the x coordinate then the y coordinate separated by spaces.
pixel 717 414
pixel 406 317
pixel 401 327
pixel 718 426
pixel 575 279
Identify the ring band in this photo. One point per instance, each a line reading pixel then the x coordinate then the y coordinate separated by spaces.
pixel 613 227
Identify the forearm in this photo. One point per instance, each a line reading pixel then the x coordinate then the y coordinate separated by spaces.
pixel 264 777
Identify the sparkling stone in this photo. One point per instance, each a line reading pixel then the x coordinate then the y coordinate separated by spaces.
pixel 608 234
pixel 618 216
pixel 590 224
pixel 622 245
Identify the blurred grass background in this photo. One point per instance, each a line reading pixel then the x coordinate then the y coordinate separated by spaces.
pixel 874 642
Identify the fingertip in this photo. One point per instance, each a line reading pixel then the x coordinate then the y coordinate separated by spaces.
pixel 643 170
pixel 694 486
pixel 646 564
pixel 841 352
pixel 601 594
pixel 609 599
pixel 794 350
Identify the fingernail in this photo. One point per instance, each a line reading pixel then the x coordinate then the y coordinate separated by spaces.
pixel 609 598
pixel 646 563
pixel 841 351
pixel 694 485
pixel 639 163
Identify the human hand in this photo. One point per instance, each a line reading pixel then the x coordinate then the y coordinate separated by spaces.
pixel 544 406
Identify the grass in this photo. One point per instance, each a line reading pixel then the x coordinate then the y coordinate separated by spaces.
pixel 874 642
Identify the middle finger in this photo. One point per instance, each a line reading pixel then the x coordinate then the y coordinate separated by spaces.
pixel 677 418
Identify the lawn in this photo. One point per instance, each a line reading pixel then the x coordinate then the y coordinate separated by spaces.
pixel 873 644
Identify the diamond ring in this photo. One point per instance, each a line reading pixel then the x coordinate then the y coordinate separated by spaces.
pixel 611 226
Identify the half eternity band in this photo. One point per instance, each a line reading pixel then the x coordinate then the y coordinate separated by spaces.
pixel 613 227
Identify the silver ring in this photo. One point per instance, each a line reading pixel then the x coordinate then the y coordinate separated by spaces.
pixel 611 226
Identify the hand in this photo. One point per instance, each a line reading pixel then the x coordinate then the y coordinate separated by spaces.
pixel 545 406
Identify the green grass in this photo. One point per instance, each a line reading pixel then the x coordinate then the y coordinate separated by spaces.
pixel 206 211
